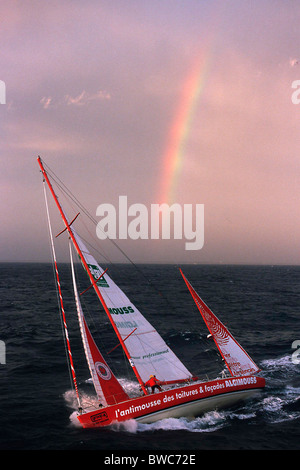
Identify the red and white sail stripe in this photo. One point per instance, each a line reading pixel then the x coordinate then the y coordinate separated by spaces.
pixel 237 360
pixel 61 303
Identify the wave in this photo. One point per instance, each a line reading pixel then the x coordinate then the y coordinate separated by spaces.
pixel 278 364
pixel 207 423
pixel 282 396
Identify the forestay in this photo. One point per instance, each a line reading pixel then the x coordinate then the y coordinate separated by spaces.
pixel 149 352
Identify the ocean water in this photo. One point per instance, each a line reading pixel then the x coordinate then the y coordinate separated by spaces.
pixel 259 304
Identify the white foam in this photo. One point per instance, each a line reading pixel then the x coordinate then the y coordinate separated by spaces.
pixel 277 363
pixel 129 426
pixel 74 421
pixel 207 423
pixel 88 403
pixel 275 407
pixel 272 404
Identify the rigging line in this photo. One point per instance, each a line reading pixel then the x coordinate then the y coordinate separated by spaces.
pixel 81 206
pixel 88 243
pixel 87 308
pixel 96 288
pixel 68 199
pixel 61 305
pixel 61 322
pixel 57 292
pixel 91 317
pixel 69 193
pixel 92 320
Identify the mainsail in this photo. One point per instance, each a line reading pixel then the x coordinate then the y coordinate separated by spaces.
pixel 103 378
pixel 236 358
pixel 148 351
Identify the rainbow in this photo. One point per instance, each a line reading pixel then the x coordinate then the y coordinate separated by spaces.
pixel 180 128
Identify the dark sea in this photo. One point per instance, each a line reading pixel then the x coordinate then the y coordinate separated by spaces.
pixel 259 304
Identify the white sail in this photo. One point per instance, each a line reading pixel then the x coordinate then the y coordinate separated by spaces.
pixel 149 352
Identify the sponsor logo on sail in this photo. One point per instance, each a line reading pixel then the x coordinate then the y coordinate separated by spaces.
pixel 103 371
pixel 121 310
pixel 95 271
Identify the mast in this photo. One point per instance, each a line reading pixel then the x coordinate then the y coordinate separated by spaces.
pixel 61 302
pixel 90 275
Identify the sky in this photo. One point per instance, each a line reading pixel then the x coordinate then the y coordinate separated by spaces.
pixel 162 101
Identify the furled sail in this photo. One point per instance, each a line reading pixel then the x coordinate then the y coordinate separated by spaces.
pixel 236 358
pixel 148 351
pixel 106 385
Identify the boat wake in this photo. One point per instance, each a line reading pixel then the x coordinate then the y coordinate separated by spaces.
pixel 209 422
pixel 279 402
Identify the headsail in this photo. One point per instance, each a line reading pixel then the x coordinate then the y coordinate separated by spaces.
pixel 103 378
pixel 148 351
pixel 236 358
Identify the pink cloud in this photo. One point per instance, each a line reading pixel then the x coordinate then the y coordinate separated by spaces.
pixel 83 99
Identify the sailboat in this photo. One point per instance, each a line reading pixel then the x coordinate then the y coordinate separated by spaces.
pixel 181 393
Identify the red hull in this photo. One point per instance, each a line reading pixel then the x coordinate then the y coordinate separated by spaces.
pixel 159 404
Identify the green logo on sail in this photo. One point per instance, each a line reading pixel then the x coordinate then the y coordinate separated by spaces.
pixel 96 274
